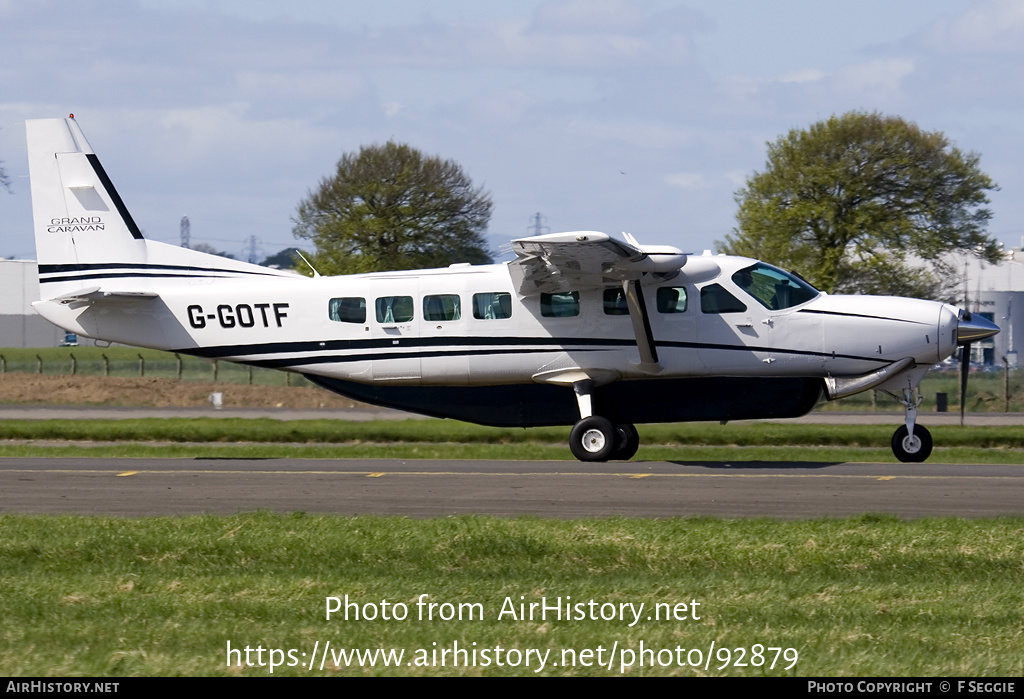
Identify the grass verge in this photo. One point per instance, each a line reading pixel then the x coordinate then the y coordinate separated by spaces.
pixel 865 596
pixel 439 439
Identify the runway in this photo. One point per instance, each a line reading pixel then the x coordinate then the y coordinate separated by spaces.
pixel 430 488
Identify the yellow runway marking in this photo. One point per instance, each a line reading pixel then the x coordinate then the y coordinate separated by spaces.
pixel 128 473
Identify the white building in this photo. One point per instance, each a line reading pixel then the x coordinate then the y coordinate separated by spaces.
pixel 997 293
pixel 20 326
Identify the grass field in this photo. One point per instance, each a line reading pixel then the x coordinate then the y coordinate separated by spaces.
pixel 448 439
pixel 867 596
pixel 870 596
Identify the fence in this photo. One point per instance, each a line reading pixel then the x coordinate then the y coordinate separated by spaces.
pixel 125 362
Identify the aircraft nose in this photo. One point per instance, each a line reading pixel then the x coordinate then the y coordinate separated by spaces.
pixel 972 327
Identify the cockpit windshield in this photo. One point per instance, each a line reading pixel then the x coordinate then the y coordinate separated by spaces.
pixel 773 288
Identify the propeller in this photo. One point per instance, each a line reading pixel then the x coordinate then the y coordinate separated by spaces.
pixel 965 370
pixel 970 328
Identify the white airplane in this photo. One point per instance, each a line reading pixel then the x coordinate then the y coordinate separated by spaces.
pixel 580 329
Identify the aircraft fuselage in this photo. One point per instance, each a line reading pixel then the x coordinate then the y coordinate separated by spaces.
pixel 367 335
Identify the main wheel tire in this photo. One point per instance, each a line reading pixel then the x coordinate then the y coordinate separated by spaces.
pixel 593 439
pixel 627 442
pixel 914 449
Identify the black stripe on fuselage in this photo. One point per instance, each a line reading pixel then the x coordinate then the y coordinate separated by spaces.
pixel 113 270
pixel 376 357
pixel 547 343
pixel 327 352
pixel 131 275
pixel 863 315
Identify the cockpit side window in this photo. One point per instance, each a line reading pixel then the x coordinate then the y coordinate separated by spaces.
pixel 773 288
pixel 715 299
pixel 671 299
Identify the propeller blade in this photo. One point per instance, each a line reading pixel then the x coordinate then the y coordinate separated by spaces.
pixel 965 370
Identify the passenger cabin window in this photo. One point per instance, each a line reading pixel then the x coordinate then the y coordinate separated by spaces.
pixel 773 288
pixel 564 305
pixel 715 299
pixel 394 309
pixel 494 305
pixel 615 302
pixel 349 309
pixel 671 299
pixel 442 307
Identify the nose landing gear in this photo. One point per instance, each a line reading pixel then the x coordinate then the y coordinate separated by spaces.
pixel 912 443
pixel 912 448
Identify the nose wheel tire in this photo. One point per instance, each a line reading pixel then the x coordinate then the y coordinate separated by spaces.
pixel 912 449
pixel 593 439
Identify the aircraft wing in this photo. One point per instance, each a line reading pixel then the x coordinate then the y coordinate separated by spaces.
pixel 560 262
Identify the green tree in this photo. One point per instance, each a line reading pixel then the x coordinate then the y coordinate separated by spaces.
pixel 856 203
pixel 283 259
pixel 210 250
pixel 391 207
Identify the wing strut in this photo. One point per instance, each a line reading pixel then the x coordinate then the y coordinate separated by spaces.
pixel 641 325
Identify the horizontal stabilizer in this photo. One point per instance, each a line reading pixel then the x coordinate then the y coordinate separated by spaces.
pixel 95 294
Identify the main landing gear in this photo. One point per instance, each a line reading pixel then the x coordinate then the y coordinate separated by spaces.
pixel 595 438
pixel 912 443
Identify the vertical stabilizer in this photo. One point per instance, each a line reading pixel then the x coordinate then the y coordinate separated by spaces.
pixel 85 236
pixel 78 215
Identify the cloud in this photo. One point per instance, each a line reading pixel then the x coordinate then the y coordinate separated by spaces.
pixel 884 75
pixel 686 180
pixel 589 16
pixel 306 86
pixel 634 133
pixel 996 25
pixel 804 75
pixel 504 106
pixel 737 178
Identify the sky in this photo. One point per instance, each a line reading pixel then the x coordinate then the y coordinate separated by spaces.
pixel 643 116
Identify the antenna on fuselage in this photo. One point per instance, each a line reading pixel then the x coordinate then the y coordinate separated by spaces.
pixel 316 274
